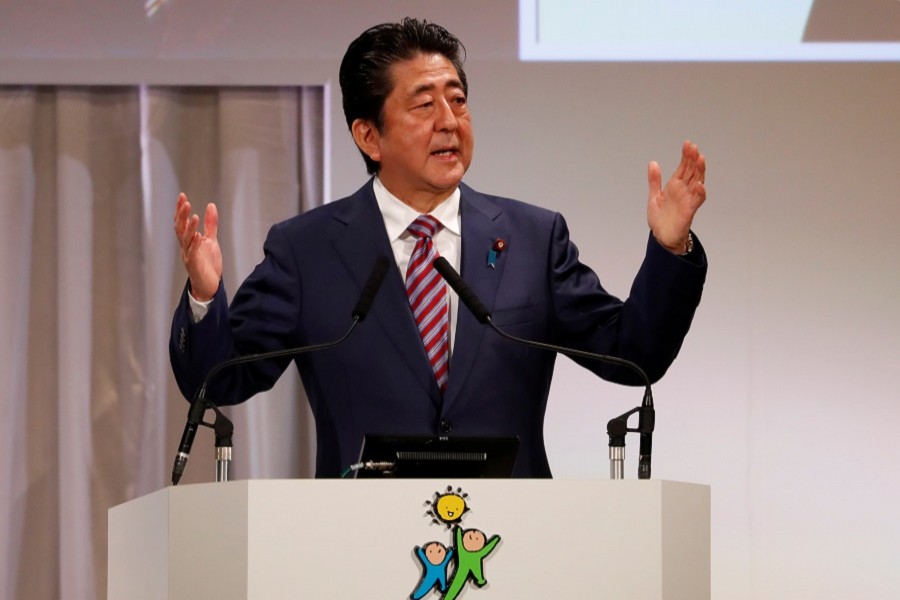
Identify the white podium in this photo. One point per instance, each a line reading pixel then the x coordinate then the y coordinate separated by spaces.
pixel 349 539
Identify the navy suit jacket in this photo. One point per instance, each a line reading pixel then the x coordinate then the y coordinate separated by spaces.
pixel 379 380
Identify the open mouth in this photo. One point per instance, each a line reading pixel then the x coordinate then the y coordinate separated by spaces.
pixel 448 152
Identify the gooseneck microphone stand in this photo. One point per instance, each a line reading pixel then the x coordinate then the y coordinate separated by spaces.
pixel 222 426
pixel 617 427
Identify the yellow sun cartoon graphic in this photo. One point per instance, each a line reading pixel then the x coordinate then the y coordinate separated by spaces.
pixel 447 507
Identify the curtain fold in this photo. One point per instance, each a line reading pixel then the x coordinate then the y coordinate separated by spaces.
pixel 90 416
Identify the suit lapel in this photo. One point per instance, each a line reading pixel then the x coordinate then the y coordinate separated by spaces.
pixel 480 229
pixel 359 240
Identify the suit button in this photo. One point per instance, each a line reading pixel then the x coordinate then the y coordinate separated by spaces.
pixel 446 426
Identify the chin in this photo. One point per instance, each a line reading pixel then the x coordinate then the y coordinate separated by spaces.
pixel 449 180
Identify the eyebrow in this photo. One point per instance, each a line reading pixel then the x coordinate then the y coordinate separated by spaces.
pixel 430 87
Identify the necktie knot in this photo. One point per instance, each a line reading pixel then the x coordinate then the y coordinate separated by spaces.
pixel 425 226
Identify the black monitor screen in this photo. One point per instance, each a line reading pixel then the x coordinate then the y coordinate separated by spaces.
pixel 430 457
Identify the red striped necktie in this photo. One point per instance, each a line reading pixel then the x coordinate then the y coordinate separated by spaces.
pixel 428 298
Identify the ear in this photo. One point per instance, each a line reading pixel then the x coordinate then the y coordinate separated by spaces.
pixel 367 138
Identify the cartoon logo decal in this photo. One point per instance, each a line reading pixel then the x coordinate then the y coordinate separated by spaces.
pixel 448 508
pixel 465 559
pixel 434 558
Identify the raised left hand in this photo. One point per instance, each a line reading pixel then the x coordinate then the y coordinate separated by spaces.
pixel 671 209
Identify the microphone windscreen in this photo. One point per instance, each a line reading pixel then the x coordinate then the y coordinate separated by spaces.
pixel 466 295
pixel 373 284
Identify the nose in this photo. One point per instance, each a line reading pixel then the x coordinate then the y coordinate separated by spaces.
pixel 445 119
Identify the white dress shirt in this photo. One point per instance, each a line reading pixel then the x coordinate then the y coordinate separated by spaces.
pixel 398 216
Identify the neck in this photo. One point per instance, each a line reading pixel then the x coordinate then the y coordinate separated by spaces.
pixel 422 202
pixel 424 206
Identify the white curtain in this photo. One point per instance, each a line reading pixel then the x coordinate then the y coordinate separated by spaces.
pixel 90 416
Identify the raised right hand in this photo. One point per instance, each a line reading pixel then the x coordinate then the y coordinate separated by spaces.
pixel 200 253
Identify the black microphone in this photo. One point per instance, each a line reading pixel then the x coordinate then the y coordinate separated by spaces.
pixel 466 295
pixel 647 413
pixel 199 404
pixel 367 296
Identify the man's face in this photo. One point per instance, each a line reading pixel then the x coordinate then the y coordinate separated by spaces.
pixel 425 145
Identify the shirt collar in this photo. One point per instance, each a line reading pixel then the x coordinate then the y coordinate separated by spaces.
pixel 398 215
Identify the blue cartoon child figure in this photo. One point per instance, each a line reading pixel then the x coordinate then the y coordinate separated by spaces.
pixel 434 558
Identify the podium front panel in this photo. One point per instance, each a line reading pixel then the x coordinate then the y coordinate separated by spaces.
pixel 505 539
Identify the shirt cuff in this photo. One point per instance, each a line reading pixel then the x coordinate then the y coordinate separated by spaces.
pixel 198 309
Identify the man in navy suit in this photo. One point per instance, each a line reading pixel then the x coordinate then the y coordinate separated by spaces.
pixel 404 92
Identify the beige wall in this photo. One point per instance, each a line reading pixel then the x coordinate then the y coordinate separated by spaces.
pixel 783 398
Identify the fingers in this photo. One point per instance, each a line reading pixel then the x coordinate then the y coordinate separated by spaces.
pixel 698 191
pixel 182 212
pixel 187 224
pixel 696 181
pixel 693 164
pixel 190 232
pixel 211 221
pixel 654 178
pixel 691 173
pixel 682 169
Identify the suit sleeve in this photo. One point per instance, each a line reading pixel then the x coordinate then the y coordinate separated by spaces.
pixel 263 316
pixel 647 328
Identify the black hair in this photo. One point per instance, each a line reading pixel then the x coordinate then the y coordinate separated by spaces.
pixel 365 76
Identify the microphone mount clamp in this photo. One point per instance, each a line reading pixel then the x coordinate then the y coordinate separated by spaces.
pixel 223 428
pixel 617 428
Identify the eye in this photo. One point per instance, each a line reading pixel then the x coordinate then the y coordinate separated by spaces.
pixel 458 101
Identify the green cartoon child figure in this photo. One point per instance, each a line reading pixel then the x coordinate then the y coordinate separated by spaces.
pixel 471 549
